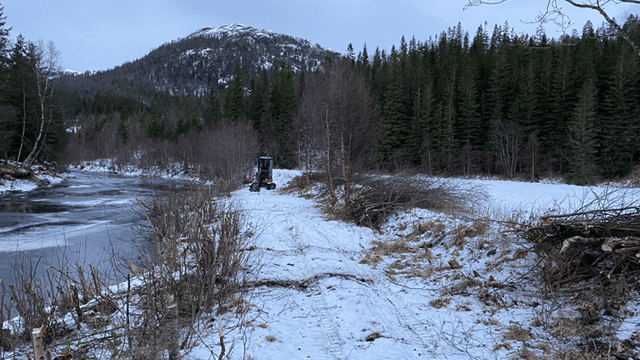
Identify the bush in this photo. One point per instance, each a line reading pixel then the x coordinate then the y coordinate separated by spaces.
pixel 198 263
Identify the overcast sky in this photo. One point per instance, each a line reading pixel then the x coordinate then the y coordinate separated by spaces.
pixel 102 34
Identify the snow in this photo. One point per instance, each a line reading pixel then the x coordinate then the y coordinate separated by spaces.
pixel 250 33
pixel 21 185
pixel 351 300
pixel 359 304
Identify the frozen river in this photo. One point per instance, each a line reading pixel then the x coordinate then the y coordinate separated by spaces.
pixel 86 219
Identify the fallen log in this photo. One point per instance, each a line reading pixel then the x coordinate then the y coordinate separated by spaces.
pixel 614 243
pixel 578 239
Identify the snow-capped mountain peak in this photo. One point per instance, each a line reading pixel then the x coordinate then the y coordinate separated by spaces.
pixel 234 30
pixel 205 59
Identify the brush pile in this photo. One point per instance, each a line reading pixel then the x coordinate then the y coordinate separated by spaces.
pixel 603 243
pixel 375 198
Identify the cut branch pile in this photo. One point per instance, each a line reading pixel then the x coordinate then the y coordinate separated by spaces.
pixel 378 197
pixel 590 243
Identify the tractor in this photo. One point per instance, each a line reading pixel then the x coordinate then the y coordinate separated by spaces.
pixel 264 175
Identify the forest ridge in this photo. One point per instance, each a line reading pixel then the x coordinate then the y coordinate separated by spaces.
pixel 495 103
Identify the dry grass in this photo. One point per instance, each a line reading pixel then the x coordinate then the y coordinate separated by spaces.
pixel 397 247
pixel 517 333
pixel 431 229
pixel 303 183
pixel 440 302
pixel 271 338
pixel 463 232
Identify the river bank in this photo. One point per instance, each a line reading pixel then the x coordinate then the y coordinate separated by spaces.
pixel 14 178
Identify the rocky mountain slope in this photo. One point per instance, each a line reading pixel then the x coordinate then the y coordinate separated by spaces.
pixel 202 60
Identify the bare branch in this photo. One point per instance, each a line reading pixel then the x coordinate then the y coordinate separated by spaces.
pixel 556 14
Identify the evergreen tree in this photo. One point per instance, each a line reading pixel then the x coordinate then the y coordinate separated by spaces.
pixel 527 106
pixel 562 93
pixel 123 126
pixel 283 104
pixel 234 96
pixel 395 115
pixel 620 119
pixel 469 129
pixel 258 99
pixel 20 100
pixel 213 109
pixel 581 136
pixel 7 114
pixel 363 66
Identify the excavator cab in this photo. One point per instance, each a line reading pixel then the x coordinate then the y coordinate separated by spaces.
pixel 264 174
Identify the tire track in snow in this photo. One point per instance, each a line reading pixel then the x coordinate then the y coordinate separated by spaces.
pixel 321 253
pixel 418 331
pixel 330 342
pixel 323 329
pixel 414 330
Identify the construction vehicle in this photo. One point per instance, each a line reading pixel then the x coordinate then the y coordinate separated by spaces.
pixel 264 174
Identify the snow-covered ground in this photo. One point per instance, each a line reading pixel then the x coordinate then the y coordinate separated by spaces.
pixel 109 165
pixel 427 286
pixel 368 300
pixel 28 184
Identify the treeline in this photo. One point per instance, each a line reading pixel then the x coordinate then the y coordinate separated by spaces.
pixel 509 104
pixel 110 123
pixel 500 104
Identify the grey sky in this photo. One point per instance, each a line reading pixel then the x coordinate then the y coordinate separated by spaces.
pixel 102 34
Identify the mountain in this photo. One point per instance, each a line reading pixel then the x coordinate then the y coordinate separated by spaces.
pixel 203 60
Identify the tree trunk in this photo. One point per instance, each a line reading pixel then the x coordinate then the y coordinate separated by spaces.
pixel 345 173
pixel 24 119
pixel 330 180
pixel 37 337
pixel 42 97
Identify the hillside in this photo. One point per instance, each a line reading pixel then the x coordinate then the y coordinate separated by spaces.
pixel 202 60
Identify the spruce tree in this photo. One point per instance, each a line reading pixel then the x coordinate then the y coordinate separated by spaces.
pixel 213 109
pixel 620 119
pixel 395 113
pixel 283 105
pixel 469 129
pixel 7 118
pixel 123 126
pixel 258 99
pixel 581 136
pixel 234 96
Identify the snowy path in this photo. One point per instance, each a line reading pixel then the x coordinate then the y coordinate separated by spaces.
pixel 402 305
pixel 346 303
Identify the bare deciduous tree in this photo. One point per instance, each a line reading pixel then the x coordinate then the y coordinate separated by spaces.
pixel 507 140
pixel 338 123
pixel 556 14
pixel 45 63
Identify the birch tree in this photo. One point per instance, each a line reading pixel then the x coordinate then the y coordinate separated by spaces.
pixel 45 64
